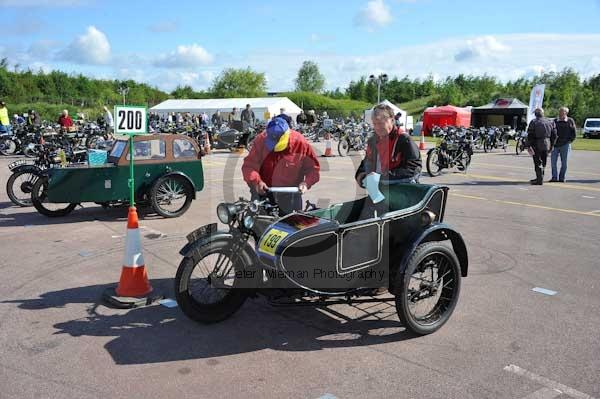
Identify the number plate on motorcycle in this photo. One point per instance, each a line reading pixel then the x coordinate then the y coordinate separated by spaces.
pixel 271 241
pixel 13 165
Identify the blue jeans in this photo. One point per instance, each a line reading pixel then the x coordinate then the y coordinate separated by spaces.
pixel 563 151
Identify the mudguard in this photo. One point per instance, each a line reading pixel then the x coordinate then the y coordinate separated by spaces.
pixel 438 232
pixel 209 234
pixel 29 168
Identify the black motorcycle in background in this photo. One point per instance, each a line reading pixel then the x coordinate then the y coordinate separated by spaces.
pixel 455 149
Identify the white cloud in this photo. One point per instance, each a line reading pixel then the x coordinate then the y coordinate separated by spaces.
pixel 486 46
pixel 170 79
pixel 185 57
pixel 90 48
pixel 374 15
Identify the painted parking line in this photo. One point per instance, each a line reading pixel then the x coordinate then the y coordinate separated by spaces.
pixel 495 165
pixel 553 185
pixel 544 291
pixel 548 208
pixel 544 393
pixel 548 383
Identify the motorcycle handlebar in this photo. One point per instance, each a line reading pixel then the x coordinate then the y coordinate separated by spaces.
pixel 283 189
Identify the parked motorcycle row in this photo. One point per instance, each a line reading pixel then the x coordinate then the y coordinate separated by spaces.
pixel 28 140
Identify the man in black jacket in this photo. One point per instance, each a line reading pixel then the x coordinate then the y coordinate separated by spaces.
pixel 565 131
pixel 390 153
pixel 541 135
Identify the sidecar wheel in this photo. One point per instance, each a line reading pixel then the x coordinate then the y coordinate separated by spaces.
pixel 430 287
pixel 200 295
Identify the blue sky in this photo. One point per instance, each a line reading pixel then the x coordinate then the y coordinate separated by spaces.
pixel 184 42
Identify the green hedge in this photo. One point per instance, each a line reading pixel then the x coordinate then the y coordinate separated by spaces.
pixel 51 112
pixel 320 103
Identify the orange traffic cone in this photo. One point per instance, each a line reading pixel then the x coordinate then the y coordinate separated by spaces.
pixel 422 143
pixel 206 143
pixel 134 287
pixel 328 150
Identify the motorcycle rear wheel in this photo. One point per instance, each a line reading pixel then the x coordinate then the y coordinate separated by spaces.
pixel 39 198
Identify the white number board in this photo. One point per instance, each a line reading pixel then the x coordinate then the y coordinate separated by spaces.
pixel 130 119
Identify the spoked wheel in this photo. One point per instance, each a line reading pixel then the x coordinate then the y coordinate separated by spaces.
pixel 30 151
pixel 343 147
pixel 464 162
pixel 433 163
pixel 519 147
pixel 206 287
pixel 171 196
pixel 8 147
pixel 39 198
pixel 20 185
pixel 430 288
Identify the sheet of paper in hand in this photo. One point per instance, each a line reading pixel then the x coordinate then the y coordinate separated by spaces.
pixel 372 183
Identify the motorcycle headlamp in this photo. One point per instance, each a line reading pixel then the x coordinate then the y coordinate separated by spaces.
pixel 248 222
pixel 226 212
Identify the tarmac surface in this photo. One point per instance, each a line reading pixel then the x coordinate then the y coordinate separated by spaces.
pixel 503 340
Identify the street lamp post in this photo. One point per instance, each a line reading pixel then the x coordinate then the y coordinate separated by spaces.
pixel 381 79
pixel 123 91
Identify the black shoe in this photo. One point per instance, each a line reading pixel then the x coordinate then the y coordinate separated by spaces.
pixel 535 182
pixel 553 180
pixel 562 181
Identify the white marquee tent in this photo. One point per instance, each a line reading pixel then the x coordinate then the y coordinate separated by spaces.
pixel 405 117
pixel 210 106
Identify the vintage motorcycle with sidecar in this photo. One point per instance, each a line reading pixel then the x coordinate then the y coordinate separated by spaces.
pixel 348 252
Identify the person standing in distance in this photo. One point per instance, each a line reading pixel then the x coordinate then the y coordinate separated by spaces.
pixel 541 135
pixel 565 135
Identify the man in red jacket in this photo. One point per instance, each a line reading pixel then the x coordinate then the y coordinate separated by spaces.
pixel 281 157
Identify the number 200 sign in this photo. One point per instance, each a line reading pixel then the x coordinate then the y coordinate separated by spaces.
pixel 130 120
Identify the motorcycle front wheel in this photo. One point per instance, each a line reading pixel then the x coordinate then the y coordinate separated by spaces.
pixel 343 147
pixel 433 163
pixel 206 284
pixel 8 147
pixel 20 185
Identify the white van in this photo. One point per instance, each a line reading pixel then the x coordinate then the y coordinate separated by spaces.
pixel 591 128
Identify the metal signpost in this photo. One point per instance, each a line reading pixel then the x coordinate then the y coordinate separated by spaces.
pixel 131 120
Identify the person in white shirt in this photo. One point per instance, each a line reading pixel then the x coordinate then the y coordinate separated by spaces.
pixel 110 122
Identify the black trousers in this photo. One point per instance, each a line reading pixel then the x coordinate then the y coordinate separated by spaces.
pixel 539 163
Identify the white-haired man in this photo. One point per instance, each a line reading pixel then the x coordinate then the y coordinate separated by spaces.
pixel 565 135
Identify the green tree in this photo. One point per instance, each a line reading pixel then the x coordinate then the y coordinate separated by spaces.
pixel 233 83
pixel 310 78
